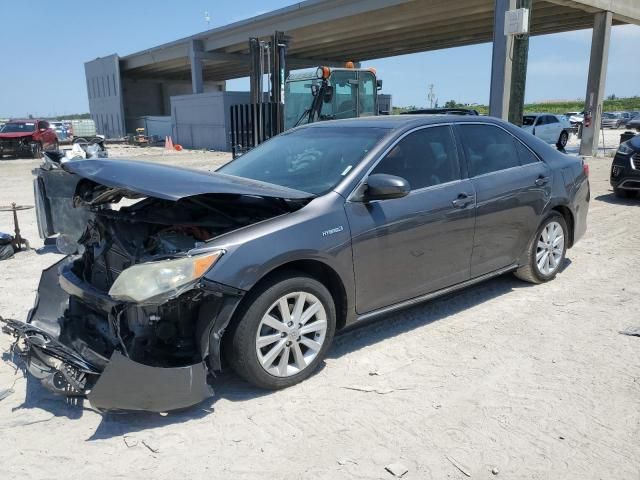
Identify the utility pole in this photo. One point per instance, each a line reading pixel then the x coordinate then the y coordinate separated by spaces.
pixel 519 70
pixel 431 96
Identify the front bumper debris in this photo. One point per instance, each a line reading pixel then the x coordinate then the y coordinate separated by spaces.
pixel 71 367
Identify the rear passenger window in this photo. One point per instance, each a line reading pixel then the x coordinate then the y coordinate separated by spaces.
pixel 424 158
pixel 525 155
pixel 488 149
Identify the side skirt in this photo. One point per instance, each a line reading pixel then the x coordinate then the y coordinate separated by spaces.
pixel 432 295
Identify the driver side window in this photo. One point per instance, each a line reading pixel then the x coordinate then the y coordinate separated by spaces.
pixel 424 158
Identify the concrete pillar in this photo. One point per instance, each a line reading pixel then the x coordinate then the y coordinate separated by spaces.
pixel 501 62
pixel 595 82
pixel 197 81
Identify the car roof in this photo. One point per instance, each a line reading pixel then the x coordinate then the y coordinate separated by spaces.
pixel 396 122
pixel 537 114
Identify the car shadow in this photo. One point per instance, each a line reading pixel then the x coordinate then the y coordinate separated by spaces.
pixel 611 198
pixel 229 386
pixel 369 332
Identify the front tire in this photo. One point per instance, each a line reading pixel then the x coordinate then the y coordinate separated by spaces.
pixel 546 251
pixel 284 331
pixel 36 150
pixel 622 193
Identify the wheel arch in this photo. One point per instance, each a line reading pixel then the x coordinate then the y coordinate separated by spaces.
pixel 318 270
pixel 322 273
pixel 567 214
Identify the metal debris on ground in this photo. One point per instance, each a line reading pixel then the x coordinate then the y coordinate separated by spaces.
pixel 379 391
pixel 398 470
pixel 150 447
pixel 129 441
pixel 464 470
pixel 5 392
pixel 17 241
pixel 631 332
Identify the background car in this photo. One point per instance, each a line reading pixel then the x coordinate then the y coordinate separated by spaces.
pixel 575 118
pixel 548 127
pixel 60 129
pixel 634 123
pixel 27 137
pixel 625 169
pixel 614 120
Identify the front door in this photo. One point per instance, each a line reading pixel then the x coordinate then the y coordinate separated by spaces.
pixel 406 247
pixel 512 189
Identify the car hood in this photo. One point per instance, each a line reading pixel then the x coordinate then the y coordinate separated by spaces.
pixel 635 142
pixel 15 134
pixel 173 183
pixel 527 128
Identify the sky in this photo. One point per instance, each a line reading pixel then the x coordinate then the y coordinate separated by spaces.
pixel 46 44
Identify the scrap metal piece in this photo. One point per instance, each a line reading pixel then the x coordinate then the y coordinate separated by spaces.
pixel 18 241
pixel 128 385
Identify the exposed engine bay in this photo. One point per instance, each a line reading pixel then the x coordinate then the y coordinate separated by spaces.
pixel 132 306
pixel 156 333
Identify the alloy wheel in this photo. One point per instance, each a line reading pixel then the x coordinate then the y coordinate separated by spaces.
pixel 550 248
pixel 291 334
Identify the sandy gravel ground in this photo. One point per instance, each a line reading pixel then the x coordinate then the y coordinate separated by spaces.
pixel 532 382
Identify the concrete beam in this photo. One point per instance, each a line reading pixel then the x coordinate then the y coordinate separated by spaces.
pixel 501 62
pixel 595 82
pixel 195 50
pixel 246 59
pixel 623 10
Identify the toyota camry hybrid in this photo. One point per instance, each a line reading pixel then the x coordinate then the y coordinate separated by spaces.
pixel 179 273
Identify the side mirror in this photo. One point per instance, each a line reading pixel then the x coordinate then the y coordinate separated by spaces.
pixel 379 84
pixel 381 186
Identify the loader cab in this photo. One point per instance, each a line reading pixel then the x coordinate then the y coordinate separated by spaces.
pixel 330 94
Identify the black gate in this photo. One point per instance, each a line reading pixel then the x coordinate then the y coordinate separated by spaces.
pixel 254 123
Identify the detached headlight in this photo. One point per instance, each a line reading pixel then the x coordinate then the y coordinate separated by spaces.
pixel 625 149
pixel 147 280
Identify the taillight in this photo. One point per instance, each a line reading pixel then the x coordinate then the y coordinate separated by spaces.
pixel 585 168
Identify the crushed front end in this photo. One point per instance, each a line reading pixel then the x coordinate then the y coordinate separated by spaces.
pixel 79 341
pixel 133 320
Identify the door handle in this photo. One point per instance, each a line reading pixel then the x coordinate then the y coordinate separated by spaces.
pixel 463 200
pixel 540 181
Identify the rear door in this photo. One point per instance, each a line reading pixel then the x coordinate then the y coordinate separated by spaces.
pixel 554 127
pixel 541 128
pixel 512 187
pixel 406 247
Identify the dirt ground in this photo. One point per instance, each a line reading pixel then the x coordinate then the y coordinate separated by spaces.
pixel 532 382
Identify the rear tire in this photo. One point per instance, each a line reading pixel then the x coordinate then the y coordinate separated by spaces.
pixel 261 366
pixel 562 140
pixel 546 251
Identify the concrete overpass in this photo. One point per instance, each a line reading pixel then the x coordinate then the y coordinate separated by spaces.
pixel 332 31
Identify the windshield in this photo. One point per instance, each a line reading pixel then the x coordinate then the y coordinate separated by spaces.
pixel 528 120
pixel 15 127
pixel 608 115
pixel 312 160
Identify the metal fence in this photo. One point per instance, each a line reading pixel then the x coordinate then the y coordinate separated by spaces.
pixel 252 124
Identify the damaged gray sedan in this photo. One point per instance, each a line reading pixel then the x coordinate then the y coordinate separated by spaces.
pixel 175 272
